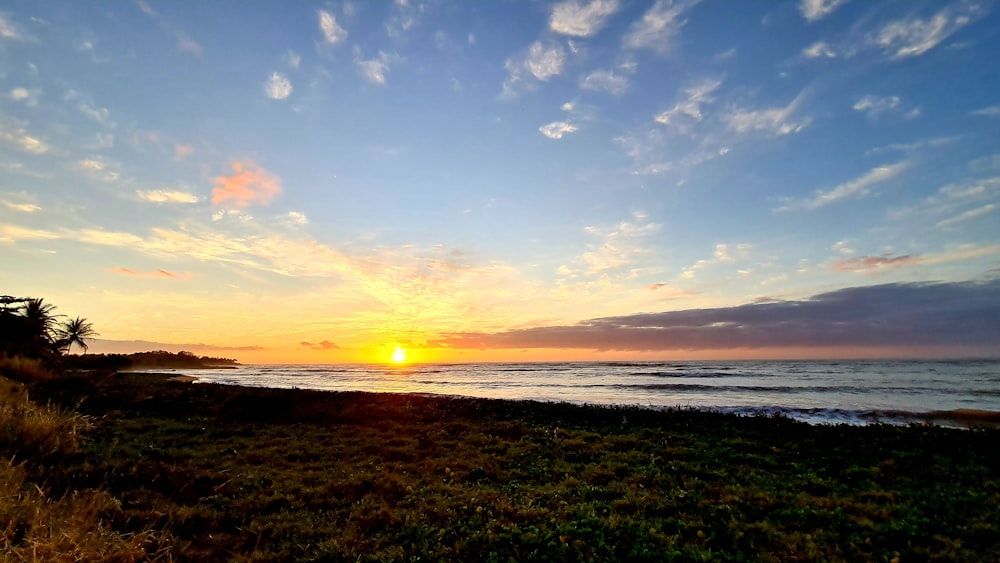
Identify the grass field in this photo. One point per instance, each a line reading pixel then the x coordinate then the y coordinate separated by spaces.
pixel 198 472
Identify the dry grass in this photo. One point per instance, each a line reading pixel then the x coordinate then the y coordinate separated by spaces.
pixel 20 368
pixel 37 524
pixel 30 431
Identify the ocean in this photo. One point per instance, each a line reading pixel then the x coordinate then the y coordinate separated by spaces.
pixel 951 393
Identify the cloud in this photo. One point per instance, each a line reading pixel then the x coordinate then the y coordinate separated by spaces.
pixel 857 186
pixel 167 196
pixel 913 36
pixel 990 111
pixel 541 62
pixel 874 263
pixel 278 87
pixel 10 30
pixel 874 105
pixel 158 273
pixel 373 70
pixel 29 97
pixel 723 253
pixel 324 345
pixel 184 42
pixel 814 10
pixel 842 247
pixel 20 140
pixel 14 233
pixel 771 121
pixel 696 96
pixel 182 151
pixel 293 59
pixel 618 245
pixel 332 33
pixel 581 20
pixel 248 184
pixel 657 26
pixel 557 129
pixel 605 81
pixel 298 218
pixel 907 315
pixel 967 216
pixel 20 207
pixel 819 49
pixel 98 168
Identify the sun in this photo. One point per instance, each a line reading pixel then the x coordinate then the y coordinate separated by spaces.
pixel 398 355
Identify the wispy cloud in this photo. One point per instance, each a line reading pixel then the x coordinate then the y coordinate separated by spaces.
pixel 167 196
pixel 541 62
pixel 11 31
pixel 293 59
pixel 856 187
pixel 990 111
pixel 814 10
pixel 10 234
pixel 324 345
pixel 155 274
pixel 248 184
pixel 723 253
pixel 27 96
pixel 618 246
pixel 373 70
pixel 557 129
pixel 99 115
pixel 182 151
pixel 695 97
pixel 21 140
pixel 278 87
pixel 184 41
pixel 581 19
pixel 771 121
pixel 874 105
pixel 912 36
pixel 967 216
pixel 20 207
pixel 297 218
pixel 819 49
pixel 605 81
pixel 332 32
pixel 657 27
pixel 869 264
pixel 96 167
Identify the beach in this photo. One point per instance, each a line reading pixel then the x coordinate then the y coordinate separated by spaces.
pixel 225 472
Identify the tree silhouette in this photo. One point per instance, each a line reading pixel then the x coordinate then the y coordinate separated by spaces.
pixel 39 321
pixel 76 331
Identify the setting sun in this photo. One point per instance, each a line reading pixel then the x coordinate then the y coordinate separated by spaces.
pixel 399 355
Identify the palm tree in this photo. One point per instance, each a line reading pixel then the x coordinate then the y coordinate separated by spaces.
pixel 76 331
pixel 40 319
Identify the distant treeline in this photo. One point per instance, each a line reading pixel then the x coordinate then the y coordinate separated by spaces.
pixel 148 360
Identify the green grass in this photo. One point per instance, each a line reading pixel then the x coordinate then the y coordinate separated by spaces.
pixel 211 472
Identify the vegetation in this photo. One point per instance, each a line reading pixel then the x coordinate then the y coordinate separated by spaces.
pixel 39 521
pixel 239 473
pixel 31 335
pixel 161 359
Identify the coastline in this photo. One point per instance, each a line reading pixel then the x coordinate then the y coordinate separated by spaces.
pixel 277 474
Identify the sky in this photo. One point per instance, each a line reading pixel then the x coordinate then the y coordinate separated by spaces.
pixel 506 181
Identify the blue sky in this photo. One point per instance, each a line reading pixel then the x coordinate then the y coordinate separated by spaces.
pixel 325 181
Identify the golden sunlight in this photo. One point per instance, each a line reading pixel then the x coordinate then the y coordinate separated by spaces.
pixel 399 355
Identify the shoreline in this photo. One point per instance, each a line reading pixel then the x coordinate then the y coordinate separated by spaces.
pixel 960 418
